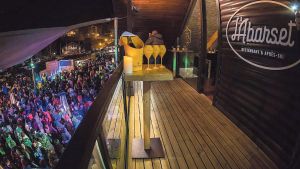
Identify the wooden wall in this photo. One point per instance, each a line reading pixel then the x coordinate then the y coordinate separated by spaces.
pixel 265 104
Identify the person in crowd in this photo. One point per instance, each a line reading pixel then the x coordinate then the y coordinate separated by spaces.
pixel 36 125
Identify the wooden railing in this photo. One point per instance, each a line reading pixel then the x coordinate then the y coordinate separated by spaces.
pixel 79 151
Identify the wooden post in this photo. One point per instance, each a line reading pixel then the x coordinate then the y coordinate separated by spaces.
pixel 203 46
pixel 146 114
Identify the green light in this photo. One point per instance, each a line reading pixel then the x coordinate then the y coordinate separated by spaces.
pixel 174 64
pixel 32 65
pixel 186 61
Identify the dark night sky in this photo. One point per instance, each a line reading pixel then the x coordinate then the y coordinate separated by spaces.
pixel 28 14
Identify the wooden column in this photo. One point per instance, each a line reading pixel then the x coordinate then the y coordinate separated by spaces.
pixel 146 113
pixel 203 47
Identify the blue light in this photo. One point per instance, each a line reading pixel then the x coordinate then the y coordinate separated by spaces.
pixel 295 7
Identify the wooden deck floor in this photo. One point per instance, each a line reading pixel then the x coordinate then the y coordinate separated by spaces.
pixel 193 132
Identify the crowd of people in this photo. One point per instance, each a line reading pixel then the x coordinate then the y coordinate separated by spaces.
pixel 37 122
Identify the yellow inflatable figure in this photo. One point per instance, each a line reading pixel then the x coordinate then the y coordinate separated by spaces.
pixel 134 48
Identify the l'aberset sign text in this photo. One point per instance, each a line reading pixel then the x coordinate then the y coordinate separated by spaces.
pixel 267 42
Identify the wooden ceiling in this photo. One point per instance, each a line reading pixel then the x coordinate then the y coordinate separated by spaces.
pixel 165 16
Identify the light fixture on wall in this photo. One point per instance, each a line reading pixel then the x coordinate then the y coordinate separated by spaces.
pixel 295 7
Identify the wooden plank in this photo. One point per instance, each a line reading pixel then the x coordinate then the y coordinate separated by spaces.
pixel 181 127
pixel 257 160
pixel 168 146
pixel 209 131
pixel 161 163
pixel 239 138
pixel 254 152
pixel 176 156
pixel 227 134
pixel 214 155
pixel 183 155
pixel 205 131
pixel 139 163
pixel 192 134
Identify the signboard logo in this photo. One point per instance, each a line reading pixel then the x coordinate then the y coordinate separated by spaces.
pixel 264 41
pixel 188 36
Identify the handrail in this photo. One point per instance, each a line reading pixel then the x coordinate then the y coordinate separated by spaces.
pixel 79 150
